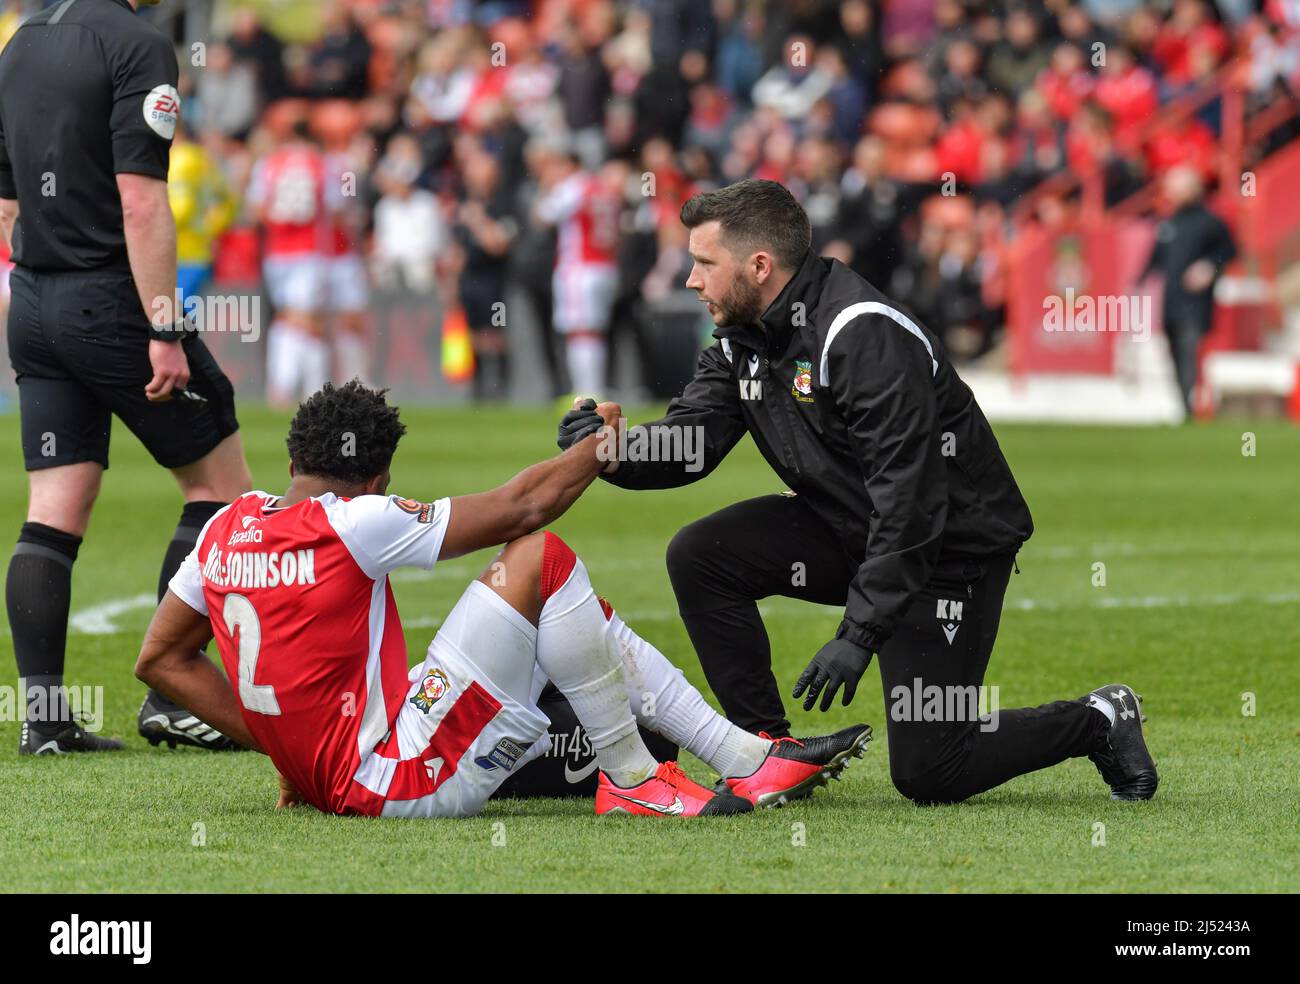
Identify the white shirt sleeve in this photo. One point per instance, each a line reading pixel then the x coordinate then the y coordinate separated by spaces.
pixel 187 583
pixel 562 200
pixel 385 532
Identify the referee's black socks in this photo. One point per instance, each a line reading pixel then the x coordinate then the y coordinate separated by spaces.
pixel 38 592
pixel 193 518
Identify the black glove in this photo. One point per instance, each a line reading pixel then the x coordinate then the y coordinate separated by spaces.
pixel 579 423
pixel 837 662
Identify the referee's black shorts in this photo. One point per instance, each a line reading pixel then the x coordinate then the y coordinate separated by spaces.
pixel 79 346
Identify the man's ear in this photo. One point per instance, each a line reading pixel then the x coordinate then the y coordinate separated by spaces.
pixel 378 484
pixel 764 267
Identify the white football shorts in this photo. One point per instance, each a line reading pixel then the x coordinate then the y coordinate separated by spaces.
pixel 584 296
pixel 472 725
pixel 296 282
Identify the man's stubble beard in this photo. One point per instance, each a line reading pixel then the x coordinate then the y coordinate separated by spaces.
pixel 742 304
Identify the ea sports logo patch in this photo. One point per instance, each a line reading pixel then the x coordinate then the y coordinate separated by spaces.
pixel 162 110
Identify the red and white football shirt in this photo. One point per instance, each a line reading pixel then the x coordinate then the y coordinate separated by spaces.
pixel 291 186
pixel 585 279
pixel 307 628
pixel 587 216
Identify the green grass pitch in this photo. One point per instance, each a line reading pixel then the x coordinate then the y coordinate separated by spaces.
pixel 1200 611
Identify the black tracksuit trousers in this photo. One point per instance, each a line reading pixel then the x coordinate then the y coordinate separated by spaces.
pixel 940 750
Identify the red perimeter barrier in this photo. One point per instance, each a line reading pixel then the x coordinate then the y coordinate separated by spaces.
pixel 1071 290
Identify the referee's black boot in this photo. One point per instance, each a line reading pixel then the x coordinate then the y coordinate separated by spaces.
pixel 61 737
pixel 1121 755
pixel 161 720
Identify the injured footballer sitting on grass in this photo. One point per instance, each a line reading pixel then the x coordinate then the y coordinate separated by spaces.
pixel 294 588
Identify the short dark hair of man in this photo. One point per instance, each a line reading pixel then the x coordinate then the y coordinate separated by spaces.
pixel 754 214
pixel 348 433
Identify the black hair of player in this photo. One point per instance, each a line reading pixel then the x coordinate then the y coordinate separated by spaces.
pixel 348 433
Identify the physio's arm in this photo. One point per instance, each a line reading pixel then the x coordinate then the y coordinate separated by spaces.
pixel 883 378
pixel 172 661
pixel 538 495
pixel 698 431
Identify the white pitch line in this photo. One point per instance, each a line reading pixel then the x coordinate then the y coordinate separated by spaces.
pixel 1159 601
pixel 101 619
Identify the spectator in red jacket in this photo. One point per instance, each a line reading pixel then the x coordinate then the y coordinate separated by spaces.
pixel 1191 28
pixel 1187 141
pixel 960 151
pixel 1066 82
pixel 1128 92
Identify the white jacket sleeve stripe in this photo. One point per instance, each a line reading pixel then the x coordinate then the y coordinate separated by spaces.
pixel 871 307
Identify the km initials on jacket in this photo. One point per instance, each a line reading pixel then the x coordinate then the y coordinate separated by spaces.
pixel 949 611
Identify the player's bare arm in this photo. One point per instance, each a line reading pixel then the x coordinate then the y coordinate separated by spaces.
pixel 538 495
pixel 8 216
pixel 172 661
pixel 150 232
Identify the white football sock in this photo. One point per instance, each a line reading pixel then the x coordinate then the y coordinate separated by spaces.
pixel 572 649
pixel 664 701
pixel 586 359
pixel 282 361
pixel 315 356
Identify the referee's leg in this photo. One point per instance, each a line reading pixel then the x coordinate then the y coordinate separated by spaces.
pixel 38 586
pixel 721 565
pixel 65 437
pixel 940 751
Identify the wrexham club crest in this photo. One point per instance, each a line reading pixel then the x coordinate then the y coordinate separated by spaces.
pixel 802 388
pixel 433 688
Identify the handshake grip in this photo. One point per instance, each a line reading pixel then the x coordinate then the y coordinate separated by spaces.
pixel 580 422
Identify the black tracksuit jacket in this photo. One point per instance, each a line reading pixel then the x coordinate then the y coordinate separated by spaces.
pixel 857 409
